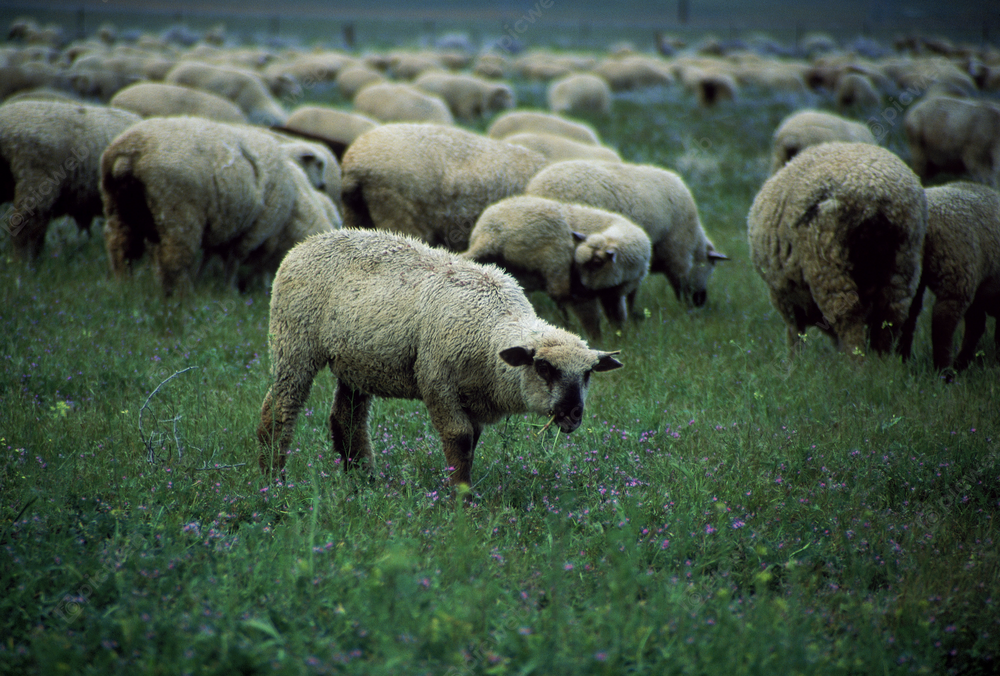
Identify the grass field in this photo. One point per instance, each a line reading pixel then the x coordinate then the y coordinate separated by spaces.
pixel 720 511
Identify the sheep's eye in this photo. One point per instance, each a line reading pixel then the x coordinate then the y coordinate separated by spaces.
pixel 545 369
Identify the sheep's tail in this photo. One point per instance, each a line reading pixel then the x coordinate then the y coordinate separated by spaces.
pixel 129 221
pixel 356 213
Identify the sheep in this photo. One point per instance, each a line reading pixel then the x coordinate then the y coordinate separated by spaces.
pixel 837 236
pixel 468 98
pixel 855 89
pixel 392 317
pixel 806 128
pixel 337 129
pixel 155 99
pixel 518 121
pixel 576 254
pixel 961 266
pixel 952 135
pixel 317 162
pixel 353 79
pixel 430 181
pixel 49 157
pixel 580 93
pixel 653 198
pixel 244 88
pixel 392 102
pixel 633 72
pixel 559 148
pixel 189 185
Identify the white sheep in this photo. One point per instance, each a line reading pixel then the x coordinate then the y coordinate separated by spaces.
pixel 579 93
pixel 653 198
pixel 244 88
pixel 521 121
pixel 50 153
pixel 578 255
pixel 336 128
pixel 392 317
pixel 807 128
pixel 394 102
pixel 191 186
pixel 155 99
pixel 430 181
pixel 557 148
pixel 353 79
pixel 961 267
pixel 633 72
pixel 837 236
pixel 469 98
pixel 956 136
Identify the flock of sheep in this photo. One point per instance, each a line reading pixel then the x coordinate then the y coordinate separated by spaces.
pixel 380 223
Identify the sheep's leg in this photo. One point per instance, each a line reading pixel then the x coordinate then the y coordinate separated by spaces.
pixel 349 427
pixel 944 320
pixel 29 219
pixel 905 347
pixel 459 436
pixel 589 314
pixel 280 411
pixel 975 326
pixel 630 300
pixel 615 308
pixel 123 245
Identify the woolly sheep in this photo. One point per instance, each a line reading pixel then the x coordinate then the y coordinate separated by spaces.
pixel 336 128
pixel 317 162
pixel 353 79
pixel 244 88
pixel 468 98
pixel 580 93
pixel 961 267
pixel 559 148
pixel 392 102
pixel 653 198
pixel 837 236
pixel 430 181
pixel 49 157
pixel 807 128
pixel 190 185
pixel 520 121
pixel 956 136
pixel 576 254
pixel 155 99
pixel 633 72
pixel 392 317
pixel 856 90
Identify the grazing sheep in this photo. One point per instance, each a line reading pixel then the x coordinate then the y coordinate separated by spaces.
pixel 392 102
pixel 520 121
pixel 155 99
pixel 576 254
pixel 353 79
pixel 633 72
pixel 190 185
pixel 580 93
pixel 837 236
pixel 318 163
pixel 409 66
pixel 656 200
pixel 956 136
pixel 49 157
pixel 856 90
pixel 709 85
pixel 244 88
pixel 336 128
pixel 468 98
pixel 392 317
pixel 807 128
pixel 961 267
pixel 559 148
pixel 430 181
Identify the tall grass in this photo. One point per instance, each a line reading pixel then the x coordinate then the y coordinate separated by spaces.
pixel 721 509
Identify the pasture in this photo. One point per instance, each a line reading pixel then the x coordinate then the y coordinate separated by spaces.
pixel 721 509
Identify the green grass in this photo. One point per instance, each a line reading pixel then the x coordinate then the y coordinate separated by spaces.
pixel 721 510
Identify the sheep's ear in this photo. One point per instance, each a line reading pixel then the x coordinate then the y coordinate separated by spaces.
pixel 607 361
pixel 716 256
pixel 612 254
pixel 518 356
pixel 308 156
pixel 578 236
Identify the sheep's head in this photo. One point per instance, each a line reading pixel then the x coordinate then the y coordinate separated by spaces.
pixel 695 288
pixel 555 374
pixel 311 162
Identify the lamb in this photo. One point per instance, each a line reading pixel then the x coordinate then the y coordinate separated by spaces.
pixel 430 181
pixel 335 128
pixel 559 148
pixel 576 254
pixel 190 185
pixel 468 98
pixel 580 93
pixel 519 121
pixel 391 102
pixel 655 199
pixel 961 266
pixel 155 99
pixel 957 136
pixel 392 317
pixel 837 236
pixel 807 128
pixel 244 88
pixel 49 157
